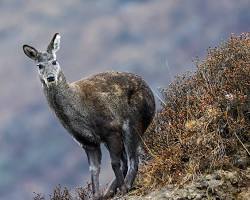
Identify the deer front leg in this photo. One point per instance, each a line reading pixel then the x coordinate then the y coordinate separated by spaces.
pixel 94 159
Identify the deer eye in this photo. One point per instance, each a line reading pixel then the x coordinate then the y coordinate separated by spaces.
pixel 40 66
pixel 54 62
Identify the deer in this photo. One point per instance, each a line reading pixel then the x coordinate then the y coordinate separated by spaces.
pixel 113 108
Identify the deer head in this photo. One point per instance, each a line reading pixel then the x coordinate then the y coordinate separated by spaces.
pixel 48 67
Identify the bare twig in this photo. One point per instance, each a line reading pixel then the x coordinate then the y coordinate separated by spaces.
pixel 242 143
pixel 159 98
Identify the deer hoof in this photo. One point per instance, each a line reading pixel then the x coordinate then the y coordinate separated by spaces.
pixel 97 197
pixel 109 194
pixel 124 189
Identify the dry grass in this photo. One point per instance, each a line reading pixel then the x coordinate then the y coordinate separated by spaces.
pixel 204 124
pixel 61 193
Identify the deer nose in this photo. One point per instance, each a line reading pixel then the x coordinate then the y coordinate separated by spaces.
pixel 51 79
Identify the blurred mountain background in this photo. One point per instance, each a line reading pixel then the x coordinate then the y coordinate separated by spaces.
pixel 155 39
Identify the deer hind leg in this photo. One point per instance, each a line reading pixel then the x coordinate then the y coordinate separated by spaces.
pixel 131 142
pixel 113 185
pixel 117 153
pixel 94 159
pixel 124 162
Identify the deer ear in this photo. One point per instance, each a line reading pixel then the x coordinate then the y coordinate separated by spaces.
pixel 31 52
pixel 54 45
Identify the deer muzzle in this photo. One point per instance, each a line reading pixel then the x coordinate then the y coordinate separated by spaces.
pixel 51 79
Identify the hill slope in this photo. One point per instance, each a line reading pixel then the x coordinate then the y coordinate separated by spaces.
pixel 198 145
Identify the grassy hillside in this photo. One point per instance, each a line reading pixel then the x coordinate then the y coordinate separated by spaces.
pixel 205 122
pixel 155 39
pixel 203 127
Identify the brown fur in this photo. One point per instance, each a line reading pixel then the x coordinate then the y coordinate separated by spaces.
pixel 117 96
pixel 102 103
pixel 112 107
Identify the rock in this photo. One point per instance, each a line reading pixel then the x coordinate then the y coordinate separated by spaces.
pixel 218 185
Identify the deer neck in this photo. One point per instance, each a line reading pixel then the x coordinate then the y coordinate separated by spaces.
pixel 65 102
pixel 58 94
